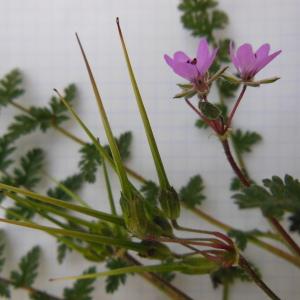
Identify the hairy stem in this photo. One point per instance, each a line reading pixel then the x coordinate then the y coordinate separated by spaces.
pixel 235 106
pixel 247 183
pixel 225 295
pixel 243 263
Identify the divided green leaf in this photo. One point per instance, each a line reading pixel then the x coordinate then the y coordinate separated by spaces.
pixel 28 174
pixel 73 183
pixel 62 250
pixel 90 159
pixel 150 191
pixel 10 87
pixel 244 141
pixel 227 276
pixel 27 272
pixel 192 193
pixel 274 198
pixel 41 117
pixel 114 282
pixel 82 289
pixel 6 149
pixel 202 17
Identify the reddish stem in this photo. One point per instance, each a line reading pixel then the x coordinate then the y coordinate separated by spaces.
pixel 235 107
pixel 247 267
pixel 208 122
pixel 246 182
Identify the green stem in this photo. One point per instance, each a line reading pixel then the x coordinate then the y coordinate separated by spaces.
pixel 69 192
pixel 93 238
pixel 81 209
pixel 109 190
pixel 225 291
pixel 68 134
pixel 68 242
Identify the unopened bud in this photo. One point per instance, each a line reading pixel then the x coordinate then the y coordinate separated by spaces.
pixel 169 202
pixel 143 220
pixel 198 265
pixel 155 250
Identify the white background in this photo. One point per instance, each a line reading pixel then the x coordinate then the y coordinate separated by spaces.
pixel 38 37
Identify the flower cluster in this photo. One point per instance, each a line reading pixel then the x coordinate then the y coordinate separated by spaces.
pixel 196 70
pixel 247 63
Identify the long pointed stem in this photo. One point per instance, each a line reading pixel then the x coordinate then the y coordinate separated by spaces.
pixel 112 143
pixel 162 176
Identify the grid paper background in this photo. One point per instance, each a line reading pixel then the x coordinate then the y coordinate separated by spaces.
pixel 38 37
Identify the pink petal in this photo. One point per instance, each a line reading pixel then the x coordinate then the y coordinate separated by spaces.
pixel 181 57
pixel 209 61
pixel 185 70
pixel 202 54
pixel 169 60
pixel 245 58
pixel 233 56
pixel 263 62
pixel 263 51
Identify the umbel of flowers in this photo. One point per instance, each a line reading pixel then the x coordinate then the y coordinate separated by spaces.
pixel 196 70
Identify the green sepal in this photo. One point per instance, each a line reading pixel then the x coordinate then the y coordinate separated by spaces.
pixel 218 74
pixel 231 78
pixel 169 202
pixel 186 93
pixel 136 216
pixel 185 86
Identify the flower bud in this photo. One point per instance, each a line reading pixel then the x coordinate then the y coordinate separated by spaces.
pixel 169 202
pixel 143 220
pixel 135 215
pixel 198 265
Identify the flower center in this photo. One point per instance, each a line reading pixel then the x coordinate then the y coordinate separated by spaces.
pixel 192 62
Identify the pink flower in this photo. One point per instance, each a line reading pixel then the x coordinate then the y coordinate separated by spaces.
pixel 249 63
pixel 192 69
